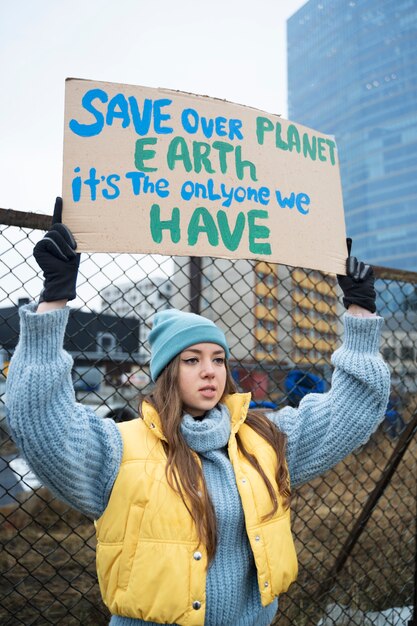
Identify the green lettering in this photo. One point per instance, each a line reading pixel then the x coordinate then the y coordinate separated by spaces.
pixel 263 124
pixel 201 150
pixel 142 155
pixel 278 139
pixel 158 225
pixel 293 138
pixel 178 151
pixel 240 165
pixel 208 226
pixel 321 147
pixel 257 231
pixel 223 147
pixel 231 239
pixel 332 147
pixel 310 149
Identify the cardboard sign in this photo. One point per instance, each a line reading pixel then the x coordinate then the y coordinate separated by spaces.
pixel 165 172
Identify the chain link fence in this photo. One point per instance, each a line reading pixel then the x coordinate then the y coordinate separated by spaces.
pixel 355 527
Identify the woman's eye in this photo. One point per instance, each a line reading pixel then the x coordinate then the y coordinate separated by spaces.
pixel 220 360
pixel 191 360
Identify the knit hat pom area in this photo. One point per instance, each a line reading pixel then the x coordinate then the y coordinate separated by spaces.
pixel 173 331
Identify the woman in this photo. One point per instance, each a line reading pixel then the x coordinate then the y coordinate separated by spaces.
pixel 191 500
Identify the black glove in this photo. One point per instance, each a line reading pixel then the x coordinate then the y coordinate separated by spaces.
pixel 358 285
pixel 56 256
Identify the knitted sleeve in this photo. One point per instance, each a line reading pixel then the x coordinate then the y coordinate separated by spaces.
pixel 325 428
pixel 71 450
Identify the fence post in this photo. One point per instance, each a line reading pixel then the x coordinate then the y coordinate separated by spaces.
pixel 413 620
pixel 195 284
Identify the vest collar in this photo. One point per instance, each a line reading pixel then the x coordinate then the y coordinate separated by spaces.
pixel 237 404
pixel 152 420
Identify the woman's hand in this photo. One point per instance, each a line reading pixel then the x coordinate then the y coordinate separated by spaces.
pixel 56 256
pixel 359 293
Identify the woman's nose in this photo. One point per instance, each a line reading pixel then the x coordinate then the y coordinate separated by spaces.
pixel 207 369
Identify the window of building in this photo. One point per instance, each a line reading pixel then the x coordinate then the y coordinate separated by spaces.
pixel 106 342
pixel 388 353
pixel 407 353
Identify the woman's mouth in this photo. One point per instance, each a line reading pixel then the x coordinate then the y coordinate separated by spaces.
pixel 208 392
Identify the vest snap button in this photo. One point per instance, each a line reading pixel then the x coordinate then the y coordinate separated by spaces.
pixel 152 425
pixel 196 605
pixel 266 584
pixel 197 556
pixel 257 538
pixel 243 480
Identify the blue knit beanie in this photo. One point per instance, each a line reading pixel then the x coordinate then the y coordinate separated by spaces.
pixel 173 331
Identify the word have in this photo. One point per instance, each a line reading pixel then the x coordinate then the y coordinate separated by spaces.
pixel 202 223
pixel 311 147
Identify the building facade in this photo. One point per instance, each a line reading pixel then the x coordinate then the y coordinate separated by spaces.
pixel 141 301
pixel 104 347
pixel 352 73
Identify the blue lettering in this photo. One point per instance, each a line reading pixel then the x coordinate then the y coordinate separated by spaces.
pixel 161 187
pixel 159 117
pixel 118 102
pixel 141 183
pixel 285 202
pixel 210 188
pixel 116 191
pixel 302 198
pixel 240 194
pixel 187 190
pixel 188 117
pixel 220 124
pixel 263 196
pixel 234 129
pixel 136 178
pixel 192 122
pixel 141 122
pixel 90 130
pixel 228 194
pixel 200 191
pixel 92 182
pixel 207 126
pixel 76 186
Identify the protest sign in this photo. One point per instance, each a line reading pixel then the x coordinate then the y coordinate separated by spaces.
pixel 165 172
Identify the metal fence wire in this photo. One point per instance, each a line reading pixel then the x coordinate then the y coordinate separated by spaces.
pixel 355 526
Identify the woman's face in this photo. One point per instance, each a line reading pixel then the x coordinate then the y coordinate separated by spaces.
pixel 202 377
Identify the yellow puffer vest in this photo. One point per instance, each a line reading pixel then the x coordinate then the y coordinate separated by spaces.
pixel 148 560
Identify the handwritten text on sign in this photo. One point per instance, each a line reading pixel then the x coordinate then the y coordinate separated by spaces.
pixel 148 170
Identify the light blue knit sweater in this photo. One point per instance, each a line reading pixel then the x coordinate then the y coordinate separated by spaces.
pixel 77 454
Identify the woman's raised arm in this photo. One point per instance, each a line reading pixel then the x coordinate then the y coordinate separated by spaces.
pixel 71 450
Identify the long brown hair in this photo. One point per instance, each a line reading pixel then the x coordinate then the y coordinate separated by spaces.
pixel 183 470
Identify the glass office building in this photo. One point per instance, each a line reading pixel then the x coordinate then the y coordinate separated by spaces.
pixel 352 73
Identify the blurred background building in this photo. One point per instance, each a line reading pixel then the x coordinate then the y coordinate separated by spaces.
pixel 139 300
pixel 352 73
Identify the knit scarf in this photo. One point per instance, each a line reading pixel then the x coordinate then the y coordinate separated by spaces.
pixel 210 433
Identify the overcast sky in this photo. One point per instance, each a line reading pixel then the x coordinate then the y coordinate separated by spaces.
pixel 231 49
